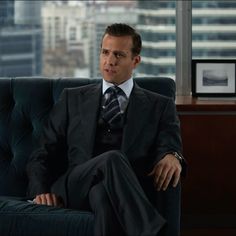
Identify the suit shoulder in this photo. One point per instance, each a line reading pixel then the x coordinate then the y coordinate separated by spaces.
pixel 155 96
pixel 82 88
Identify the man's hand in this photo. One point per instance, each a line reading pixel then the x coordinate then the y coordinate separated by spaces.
pixel 166 169
pixel 49 199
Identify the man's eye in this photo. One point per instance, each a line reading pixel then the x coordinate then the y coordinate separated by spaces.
pixel 118 55
pixel 104 52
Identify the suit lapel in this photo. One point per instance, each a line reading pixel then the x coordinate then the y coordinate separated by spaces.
pixel 137 113
pixel 89 112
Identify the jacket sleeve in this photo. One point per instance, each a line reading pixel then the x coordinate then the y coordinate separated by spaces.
pixel 169 134
pixel 45 158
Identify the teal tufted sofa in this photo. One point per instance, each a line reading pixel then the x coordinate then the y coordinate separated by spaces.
pixel 24 106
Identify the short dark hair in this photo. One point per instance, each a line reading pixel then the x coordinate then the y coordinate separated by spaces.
pixel 119 29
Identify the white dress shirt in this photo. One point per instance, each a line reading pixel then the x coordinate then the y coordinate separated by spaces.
pixel 126 87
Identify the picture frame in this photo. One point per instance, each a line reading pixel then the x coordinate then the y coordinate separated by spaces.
pixel 213 78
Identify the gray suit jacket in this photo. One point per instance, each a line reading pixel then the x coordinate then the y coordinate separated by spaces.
pixel 151 130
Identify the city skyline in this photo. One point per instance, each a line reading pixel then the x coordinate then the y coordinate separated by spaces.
pixel 69 34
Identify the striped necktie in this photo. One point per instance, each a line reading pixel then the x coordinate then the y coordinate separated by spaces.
pixel 111 108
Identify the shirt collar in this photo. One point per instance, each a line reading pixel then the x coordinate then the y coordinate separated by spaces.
pixel 127 86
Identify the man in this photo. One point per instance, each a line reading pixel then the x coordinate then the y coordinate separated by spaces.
pixel 115 134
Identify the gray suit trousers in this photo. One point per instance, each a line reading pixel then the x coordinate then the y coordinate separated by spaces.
pixel 107 185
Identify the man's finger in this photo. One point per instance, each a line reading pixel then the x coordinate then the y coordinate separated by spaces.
pixel 176 178
pixel 43 199
pixel 49 200
pixel 159 180
pixel 168 179
pixel 37 200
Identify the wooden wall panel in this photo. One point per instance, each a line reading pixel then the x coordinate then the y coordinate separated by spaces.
pixel 209 145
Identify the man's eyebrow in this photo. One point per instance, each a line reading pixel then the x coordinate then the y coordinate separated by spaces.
pixel 123 53
pixel 120 52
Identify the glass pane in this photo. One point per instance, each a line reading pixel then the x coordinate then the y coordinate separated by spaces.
pixel 156 23
pixel 214 29
pixel 62 38
pixel 20 38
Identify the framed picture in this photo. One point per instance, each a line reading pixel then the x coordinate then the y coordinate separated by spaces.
pixel 213 78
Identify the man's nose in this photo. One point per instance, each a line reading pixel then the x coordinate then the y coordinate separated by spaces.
pixel 111 60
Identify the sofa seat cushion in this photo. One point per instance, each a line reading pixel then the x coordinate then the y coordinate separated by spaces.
pixel 26 219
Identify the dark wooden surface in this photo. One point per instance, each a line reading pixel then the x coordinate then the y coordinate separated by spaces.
pixel 188 103
pixel 209 145
pixel 210 232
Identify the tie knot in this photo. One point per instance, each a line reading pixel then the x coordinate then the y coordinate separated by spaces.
pixel 114 90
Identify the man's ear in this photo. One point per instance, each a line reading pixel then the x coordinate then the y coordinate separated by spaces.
pixel 137 60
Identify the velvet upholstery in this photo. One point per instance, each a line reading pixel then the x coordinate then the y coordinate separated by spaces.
pixel 24 105
pixel 20 218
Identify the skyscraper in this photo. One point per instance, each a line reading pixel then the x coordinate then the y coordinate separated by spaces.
pixel 213 33
pixel 6 12
pixel 20 45
pixel 156 24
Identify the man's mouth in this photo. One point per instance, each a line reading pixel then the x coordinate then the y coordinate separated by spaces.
pixel 110 71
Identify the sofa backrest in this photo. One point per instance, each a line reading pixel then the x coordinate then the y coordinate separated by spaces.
pixel 24 105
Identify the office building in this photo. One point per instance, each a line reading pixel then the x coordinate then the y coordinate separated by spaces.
pixel 20 42
pixel 6 12
pixel 73 32
pixel 156 24
pixel 65 38
pixel 213 33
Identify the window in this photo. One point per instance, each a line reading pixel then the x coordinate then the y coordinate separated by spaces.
pixel 213 29
pixel 65 39
pixel 69 34
pixel 72 33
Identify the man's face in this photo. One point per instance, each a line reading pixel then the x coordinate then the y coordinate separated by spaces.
pixel 116 59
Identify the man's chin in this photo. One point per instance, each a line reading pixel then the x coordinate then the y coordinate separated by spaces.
pixel 109 79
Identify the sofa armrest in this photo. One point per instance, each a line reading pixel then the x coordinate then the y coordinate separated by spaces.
pixel 23 218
